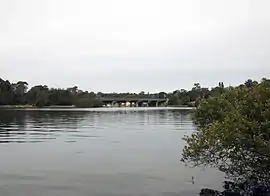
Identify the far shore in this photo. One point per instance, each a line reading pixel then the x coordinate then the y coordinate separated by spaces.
pixel 74 107
pixel 32 106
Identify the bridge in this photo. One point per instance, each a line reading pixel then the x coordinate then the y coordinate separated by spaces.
pixel 133 101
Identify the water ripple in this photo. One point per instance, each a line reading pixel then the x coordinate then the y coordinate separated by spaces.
pixel 44 125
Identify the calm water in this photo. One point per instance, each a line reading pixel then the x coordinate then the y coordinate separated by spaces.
pixel 104 152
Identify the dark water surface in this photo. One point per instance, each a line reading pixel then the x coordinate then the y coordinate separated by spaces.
pixel 103 152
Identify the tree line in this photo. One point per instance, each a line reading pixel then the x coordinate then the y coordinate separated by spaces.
pixel 41 95
pixel 193 96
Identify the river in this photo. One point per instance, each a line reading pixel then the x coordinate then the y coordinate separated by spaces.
pixel 98 152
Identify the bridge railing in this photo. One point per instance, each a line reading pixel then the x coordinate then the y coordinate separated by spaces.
pixel 131 99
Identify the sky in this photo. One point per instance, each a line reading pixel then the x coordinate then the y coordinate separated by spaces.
pixel 134 45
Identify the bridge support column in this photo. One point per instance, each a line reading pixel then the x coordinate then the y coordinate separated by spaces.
pixel 113 103
pixel 133 102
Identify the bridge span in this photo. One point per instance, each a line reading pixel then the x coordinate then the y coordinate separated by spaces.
pixel 133 101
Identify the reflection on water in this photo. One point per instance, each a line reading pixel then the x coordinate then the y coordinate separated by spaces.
pixel 42 125
pixel 37 126
pixel 99 152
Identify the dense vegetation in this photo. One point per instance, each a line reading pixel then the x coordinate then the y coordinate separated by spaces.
pixel 192 97
pixel 234 136
pixel 41 95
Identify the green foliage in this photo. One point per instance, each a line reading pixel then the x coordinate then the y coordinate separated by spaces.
pixel 88 102
pixel 38 96
pixel 6 92
pixel 12 93
pixel 174 100
pixel 19 91
pixel 188 98
pixel 162 95
pixel 233 132
pixel 42 96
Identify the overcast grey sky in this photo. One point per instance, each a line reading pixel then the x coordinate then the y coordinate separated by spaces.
pixel 133 45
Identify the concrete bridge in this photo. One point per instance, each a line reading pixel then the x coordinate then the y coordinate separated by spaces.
pixel 133 101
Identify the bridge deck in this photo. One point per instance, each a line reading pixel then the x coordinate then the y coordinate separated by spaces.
pixel 126 99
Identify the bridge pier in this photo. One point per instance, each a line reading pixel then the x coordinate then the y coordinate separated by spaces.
pixel 145 104
pixel 132 102
pixel 142 104
pixel 153 103
pixel 113 103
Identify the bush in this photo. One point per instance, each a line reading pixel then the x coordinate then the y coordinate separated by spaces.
pixel 234 133
pixel 87 103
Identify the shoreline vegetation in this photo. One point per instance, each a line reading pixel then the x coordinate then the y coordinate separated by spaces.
pixel 233 135
pixel 33 106
pixel 73 106
pixel 18 95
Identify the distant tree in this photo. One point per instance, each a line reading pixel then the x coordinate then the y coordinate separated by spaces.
pixel 249 83
pixel 21 87
pixel 174 100
pixel 197 86
pixel 73 90
pixel 19 90
pixel 142 93
pixel 38 96
pixel 99 94
pixel 176 92
pixel 185 100
pixel 162 95
pixel 221 85
pixel 6 92
pixel 88 102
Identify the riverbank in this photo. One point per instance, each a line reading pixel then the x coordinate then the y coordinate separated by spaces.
pixel 32 106
pixel 73 108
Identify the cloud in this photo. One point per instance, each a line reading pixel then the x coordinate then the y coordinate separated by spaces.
pixel 136 44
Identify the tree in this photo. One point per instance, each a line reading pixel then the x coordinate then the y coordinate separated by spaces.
pixel 19 90
pixel 61 97
pixel 38 96
pixel 73 90
pixel 249 83
pixel 6 92
pixel 234 133
pixel 174 100
pixel 197 86
pixel 100 94
pixel 221 85
pixel 21 87
pixel 142 93
pixel 87 102
pixel 162 95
